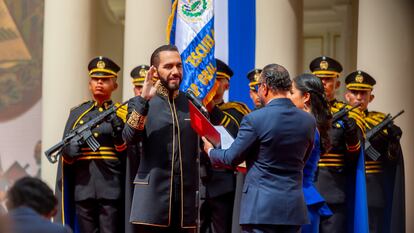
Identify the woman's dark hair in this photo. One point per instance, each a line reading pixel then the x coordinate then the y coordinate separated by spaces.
pixel 309 83
pixel 33 193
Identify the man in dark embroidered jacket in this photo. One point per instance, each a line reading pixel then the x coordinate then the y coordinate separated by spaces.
pixel 167 179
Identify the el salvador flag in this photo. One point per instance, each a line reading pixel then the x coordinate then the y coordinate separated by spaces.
pixel 231 24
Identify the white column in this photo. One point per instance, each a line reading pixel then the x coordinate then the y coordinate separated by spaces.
pixel 66 54
pixel 145 30
pixel 279 34
pixel 386 51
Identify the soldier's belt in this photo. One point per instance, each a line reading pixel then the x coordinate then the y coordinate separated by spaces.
pixel 331 160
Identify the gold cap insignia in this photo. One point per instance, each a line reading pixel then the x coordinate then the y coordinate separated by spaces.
pixel 143 73
pixel 100 64
pixel 257 75
pixel 359 78
pixel 323 65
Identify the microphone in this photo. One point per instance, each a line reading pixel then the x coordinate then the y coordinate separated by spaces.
pixel 190 95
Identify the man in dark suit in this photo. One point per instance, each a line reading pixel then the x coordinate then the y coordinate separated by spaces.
pixel 31 204
pixel 275 142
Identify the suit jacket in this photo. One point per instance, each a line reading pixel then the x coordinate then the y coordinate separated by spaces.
pixel 26 220
pixel 169 149
pixel 281 138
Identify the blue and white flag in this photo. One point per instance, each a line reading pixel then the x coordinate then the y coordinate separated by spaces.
pixel 191 29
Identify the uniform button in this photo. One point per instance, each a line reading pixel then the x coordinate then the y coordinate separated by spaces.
pixel 97 126
pixel 100 109
pixel 95 135
pixel 81 122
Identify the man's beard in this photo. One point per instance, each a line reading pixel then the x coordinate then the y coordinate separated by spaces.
pixel 170 87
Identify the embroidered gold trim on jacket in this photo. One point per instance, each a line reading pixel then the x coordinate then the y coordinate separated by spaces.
pixel 172 163
pixel 367 167
pixel 97 157
pixel 149 224
pixel 331 160
pixel 99 153
pixel 332 155
pixel 163 91
pixel 373 162
pixel 330 165
pixel 83 114
pixel 234 119
pixel 373 171
pixel 101 148
pixel 136 120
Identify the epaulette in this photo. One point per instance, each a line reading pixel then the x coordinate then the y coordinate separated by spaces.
pixel 83 103
pixel 337 106
pixel 122 111
pixel 374 118
pixel 376 115
pixel 240 107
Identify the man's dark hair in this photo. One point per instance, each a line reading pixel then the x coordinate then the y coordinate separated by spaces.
pixel 33 193
pixel 155 57
pixel 276 77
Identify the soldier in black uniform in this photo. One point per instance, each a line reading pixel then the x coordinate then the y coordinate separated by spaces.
pixel 335 168
pixel 380 174
pixel 91 182
pixel 134 151
pixel 253 77
pixel 217 209
pixel 167 178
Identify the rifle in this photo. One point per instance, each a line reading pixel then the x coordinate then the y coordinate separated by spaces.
pixel 341 113
pixel 82 134
pixel 369 149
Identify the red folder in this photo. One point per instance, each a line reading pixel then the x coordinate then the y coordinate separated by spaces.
pixel 203 126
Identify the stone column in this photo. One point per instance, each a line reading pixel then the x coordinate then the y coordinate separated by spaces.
pixel 145 30
pixel 66 53
pixel 386 51
pixel 279 34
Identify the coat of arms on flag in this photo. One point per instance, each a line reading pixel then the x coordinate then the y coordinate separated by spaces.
pixel 191 29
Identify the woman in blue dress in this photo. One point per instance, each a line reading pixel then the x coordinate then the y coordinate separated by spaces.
pixel 308 94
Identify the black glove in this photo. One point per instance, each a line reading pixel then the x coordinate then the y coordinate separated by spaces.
pixel 351 131
pixel 72 149
pixel 394 132
pixel 117 127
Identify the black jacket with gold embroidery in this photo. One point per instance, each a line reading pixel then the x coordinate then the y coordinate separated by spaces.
pixel 169 149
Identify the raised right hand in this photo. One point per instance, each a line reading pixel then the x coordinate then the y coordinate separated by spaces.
pixel 149 88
